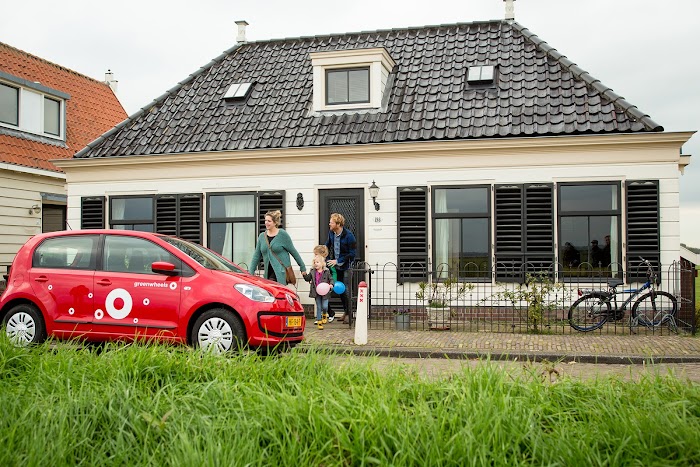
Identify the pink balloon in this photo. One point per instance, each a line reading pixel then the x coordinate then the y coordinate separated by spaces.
pixel 323 288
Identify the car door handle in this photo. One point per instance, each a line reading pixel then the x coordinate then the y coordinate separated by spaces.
pixel 104 282
pixel 41 279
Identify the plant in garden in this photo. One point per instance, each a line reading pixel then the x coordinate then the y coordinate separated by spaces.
pixel 439 294
pixel 536 293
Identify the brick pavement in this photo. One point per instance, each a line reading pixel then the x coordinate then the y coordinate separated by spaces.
pixel 581 347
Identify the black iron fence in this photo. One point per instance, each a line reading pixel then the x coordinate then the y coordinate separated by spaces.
pixel 531 298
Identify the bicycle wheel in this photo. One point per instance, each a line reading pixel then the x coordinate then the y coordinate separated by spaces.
pixel 589 312
pixel 654 308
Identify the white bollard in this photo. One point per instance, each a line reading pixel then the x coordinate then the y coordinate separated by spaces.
pixel 361 317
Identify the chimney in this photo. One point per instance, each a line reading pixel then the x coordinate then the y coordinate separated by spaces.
pixel 510 10
pixel 109 79
pixel 241 31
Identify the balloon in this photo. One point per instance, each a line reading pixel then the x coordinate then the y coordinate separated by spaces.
pixel 323 288
pixel 339 287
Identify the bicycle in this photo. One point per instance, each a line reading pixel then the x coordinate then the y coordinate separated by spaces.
pixel 596 307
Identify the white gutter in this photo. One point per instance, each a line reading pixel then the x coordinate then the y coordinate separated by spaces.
pixel 32 171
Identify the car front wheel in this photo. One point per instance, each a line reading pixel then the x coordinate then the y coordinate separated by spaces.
pixel 24 325
pixel 218 331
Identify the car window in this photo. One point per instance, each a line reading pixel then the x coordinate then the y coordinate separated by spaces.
pixel 203 256
pixel 135 255
pixel 69 252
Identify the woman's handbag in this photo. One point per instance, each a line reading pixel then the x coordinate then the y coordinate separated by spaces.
pixel 289 276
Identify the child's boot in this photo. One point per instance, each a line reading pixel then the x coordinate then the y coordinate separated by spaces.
pixel 320 324
pixel 325 318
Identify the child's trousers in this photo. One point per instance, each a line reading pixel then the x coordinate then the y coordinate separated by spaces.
pixel 321 306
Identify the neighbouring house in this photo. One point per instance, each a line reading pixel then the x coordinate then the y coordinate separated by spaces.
pixel 491 151
pixel 47 112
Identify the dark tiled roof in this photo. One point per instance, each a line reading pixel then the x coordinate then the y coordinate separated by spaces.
pixel 91 110
pixel 539 92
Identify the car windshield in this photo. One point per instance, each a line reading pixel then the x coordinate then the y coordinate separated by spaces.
pixel 203 256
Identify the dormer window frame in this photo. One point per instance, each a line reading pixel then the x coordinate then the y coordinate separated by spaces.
pixel 348 70
pixel 39 110
pixel 376 60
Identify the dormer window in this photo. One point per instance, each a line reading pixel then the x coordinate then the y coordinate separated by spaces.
pixel 481 74
pixel 238 91
pixel 347 86
pixel 32 108
pixel 350 79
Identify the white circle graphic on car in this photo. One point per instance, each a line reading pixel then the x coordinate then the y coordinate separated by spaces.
pixel 99 314
pixel 146 301
pixel 71 311
pixel 118 303
pixel 173 285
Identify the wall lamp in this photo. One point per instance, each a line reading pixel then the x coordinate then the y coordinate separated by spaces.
pixel 36 209
pixel 300 201
pixel 374 192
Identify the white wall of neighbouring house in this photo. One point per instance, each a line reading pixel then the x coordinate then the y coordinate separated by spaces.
pixel 19 191
pixel 306 171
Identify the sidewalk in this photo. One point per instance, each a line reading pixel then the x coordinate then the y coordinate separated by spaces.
pixel 581 347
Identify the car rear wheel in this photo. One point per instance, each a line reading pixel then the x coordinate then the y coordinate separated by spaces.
pixel 24 325
pixel 218 331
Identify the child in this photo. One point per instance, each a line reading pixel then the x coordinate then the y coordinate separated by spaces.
pixel 323 251
pixel 318 274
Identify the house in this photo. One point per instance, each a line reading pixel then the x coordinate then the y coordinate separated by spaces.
pixel 491 151
pixel 47 112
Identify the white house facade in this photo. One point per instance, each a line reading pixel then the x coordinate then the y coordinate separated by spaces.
pixel 490 149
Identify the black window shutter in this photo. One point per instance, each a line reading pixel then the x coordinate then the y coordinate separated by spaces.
pixel 180 215
pixel 539 228
pixel 524 217
pixel 412 238
pixel 92 212
pixel 269 201
pixel 643 236
pixel 509 232
pixel 190 217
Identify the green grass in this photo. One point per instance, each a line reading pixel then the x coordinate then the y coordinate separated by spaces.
pixel 157 405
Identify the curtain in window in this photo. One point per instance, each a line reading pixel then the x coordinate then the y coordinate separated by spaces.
pixel 238 236
pixel 118 209
pixel 442 236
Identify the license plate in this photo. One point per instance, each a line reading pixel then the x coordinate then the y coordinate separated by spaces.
pixel 293 321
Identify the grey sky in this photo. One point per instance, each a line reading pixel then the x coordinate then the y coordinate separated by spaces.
pixel 645 50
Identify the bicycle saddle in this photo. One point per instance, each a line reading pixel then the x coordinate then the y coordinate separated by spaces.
pixel 614 282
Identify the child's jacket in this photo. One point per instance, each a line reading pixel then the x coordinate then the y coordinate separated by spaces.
pixel 311 277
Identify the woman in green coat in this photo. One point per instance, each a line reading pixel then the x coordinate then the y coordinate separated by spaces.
pixel 281 243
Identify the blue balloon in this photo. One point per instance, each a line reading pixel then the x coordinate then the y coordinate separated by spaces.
pixel 339 287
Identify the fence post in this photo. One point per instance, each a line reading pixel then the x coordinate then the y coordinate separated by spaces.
pixel 361 317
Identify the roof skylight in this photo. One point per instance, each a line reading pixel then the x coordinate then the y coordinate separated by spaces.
pixel 238 91
pixel 481 74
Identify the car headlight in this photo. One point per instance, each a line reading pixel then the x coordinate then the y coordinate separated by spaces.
pixel 257 294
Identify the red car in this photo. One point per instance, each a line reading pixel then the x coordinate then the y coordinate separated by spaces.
pixel 102 285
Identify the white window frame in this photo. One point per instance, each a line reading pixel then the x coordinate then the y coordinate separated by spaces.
pixel 377 60
pixel 31 120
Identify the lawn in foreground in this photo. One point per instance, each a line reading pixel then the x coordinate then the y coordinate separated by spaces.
pixel 158 405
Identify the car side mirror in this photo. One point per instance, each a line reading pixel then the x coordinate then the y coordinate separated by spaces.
pixel 163 267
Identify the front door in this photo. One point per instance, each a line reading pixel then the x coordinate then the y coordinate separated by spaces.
pixel 350 203
pixel 130 299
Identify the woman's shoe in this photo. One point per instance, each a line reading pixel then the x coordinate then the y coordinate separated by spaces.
pixel 320 326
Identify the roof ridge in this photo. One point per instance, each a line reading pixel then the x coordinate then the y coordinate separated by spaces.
pixel 579 73
pixel 376 31
pixel 48 62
